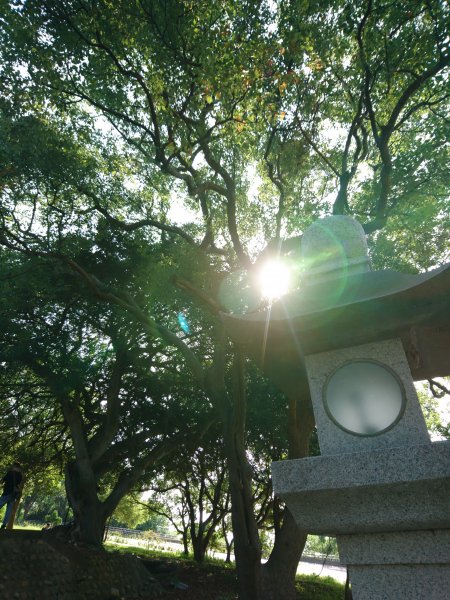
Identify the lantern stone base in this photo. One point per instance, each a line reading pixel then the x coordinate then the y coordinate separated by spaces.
pixel 410 565
pixel 400 582
pixel 393 489
pixel 390 512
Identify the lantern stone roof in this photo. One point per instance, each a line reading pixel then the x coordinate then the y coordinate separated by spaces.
pixel 342 302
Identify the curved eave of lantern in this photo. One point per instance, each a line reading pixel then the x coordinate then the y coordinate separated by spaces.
pixel 348 311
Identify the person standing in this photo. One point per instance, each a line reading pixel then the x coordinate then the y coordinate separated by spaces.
pixel 11 490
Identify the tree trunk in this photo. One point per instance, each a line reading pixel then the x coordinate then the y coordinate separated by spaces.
pixel 279 573
pixel 26 506
pixel 280 570
pixel 185 543
pixel 91 523
pixel 89 515
pixel 199 548
pixel 229 546
pixel 247 546
pixel 197 534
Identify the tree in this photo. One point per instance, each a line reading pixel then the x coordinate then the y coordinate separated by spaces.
pixel 80 368
pixel 380 99
pixel 192 495
pixel 431 397
pixel 166 503
pixel 196 92
pixel 129 513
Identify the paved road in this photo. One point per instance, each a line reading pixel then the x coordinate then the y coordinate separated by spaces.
pixel 311 566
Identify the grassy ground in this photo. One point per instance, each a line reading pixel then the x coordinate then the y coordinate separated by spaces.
pixel 216 580
pixel 28 527
pixel 312 587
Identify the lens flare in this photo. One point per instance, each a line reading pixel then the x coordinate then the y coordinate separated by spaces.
pixel 274 280
pixel 183 323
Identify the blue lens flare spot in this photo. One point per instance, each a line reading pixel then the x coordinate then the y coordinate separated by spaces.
pixel 183 323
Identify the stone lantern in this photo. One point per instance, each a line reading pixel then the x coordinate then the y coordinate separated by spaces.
pixel 380 485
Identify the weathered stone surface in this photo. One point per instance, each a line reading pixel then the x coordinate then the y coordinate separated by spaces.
pixel 408 547
pixel 362 469
pixel 402 565
pixel 400 582
pixel 385 490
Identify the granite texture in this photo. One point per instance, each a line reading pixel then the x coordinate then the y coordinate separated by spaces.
pixel 406 547
pixel 400 582
pixel 410 429
pixel 389 490
pixel 386 508
pixel 380 467
pixel 398 566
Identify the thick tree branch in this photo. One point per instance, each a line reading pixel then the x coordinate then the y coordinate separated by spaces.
pixel 129 478
pixel 108 430
pixel 411 89
pixel 438 390
pixel 211 304
pixel 316 149
pixel 133 226
pixel 230 196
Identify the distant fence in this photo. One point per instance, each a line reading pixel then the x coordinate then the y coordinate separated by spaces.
pixel 327 559
pixel 123 532
pixel 139 534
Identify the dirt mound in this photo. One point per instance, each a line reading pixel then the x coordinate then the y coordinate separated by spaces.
pixel 34 566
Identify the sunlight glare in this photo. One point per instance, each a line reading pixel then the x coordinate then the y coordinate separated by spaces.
pixel 274 280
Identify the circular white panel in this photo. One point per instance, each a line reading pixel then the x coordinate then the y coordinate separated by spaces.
pixel 364 398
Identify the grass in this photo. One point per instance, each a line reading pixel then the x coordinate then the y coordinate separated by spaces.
pixel 146 553
pixel 313 587
pixel 309 587
pixel 28 527
pixel 170 556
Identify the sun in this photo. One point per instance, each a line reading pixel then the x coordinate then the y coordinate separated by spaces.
pixel 274 280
